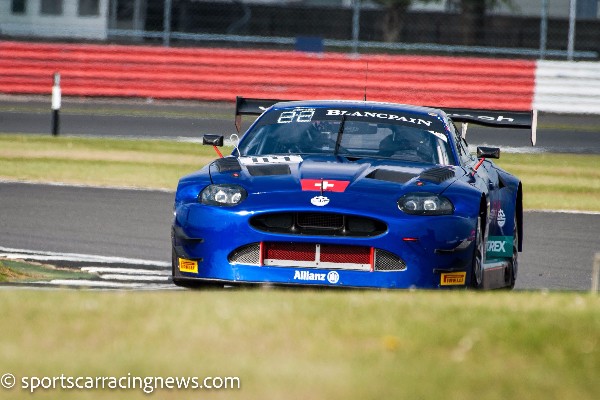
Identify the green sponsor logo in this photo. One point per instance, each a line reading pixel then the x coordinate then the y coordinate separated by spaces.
pixel 500 246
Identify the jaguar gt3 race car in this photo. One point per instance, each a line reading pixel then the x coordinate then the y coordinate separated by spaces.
pixel 352 194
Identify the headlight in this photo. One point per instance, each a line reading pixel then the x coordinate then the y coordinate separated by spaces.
pixel 425 204
pixel 222 195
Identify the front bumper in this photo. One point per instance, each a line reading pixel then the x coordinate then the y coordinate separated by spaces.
pixel 436 250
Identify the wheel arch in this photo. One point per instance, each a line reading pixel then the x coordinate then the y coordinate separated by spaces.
pixel 519 215
pixel 483 213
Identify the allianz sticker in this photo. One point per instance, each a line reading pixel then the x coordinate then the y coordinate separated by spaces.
pixel 332 277
pixel 258 160
pixel 308 276
pixel 501 218
pixel 319 201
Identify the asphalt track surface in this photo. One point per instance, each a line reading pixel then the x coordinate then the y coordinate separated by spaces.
pixel 173 119
pixel 559 248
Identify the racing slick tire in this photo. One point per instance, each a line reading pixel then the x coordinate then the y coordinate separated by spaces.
pixel 478 258
pixel 513 269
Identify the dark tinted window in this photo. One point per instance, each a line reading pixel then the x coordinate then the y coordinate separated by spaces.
pixel 52 7
pixel 18 7
pixel 89 7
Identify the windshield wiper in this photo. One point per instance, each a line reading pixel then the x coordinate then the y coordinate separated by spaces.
pixel 338 140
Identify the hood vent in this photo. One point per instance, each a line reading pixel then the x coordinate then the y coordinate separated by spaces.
pixel 227 164
pixel 269 170
pixel 437 174
pixel 391 176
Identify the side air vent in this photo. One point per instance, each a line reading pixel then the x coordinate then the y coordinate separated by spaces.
pixel 390 176
pixel 386 261
pixel 227 164
pixel 269 170
pixel 437 174
pixel 249 254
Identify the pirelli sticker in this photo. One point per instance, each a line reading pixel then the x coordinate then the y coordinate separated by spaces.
pixel 188 266
pixel 453 278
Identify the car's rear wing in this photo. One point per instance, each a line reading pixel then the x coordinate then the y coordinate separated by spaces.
pixel 246 106
pixel 493 118
pixel 496 119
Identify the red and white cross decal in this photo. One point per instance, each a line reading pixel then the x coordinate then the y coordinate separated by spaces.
pixel 328 185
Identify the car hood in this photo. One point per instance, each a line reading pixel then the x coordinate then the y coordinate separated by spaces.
pixel 331 174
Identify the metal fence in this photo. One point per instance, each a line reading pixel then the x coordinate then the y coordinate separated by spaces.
pixel 567 29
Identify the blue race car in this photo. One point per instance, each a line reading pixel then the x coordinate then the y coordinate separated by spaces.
pixel 352 194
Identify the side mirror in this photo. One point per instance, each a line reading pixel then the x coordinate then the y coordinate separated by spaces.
pixel 213 140
pixel 488 152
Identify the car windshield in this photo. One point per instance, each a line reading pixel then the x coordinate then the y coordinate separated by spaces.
pixel 294 133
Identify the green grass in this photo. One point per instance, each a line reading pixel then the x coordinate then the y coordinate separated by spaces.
pixel 310 344
pixel 18 271
pixel 550 181
pixel 556 181
pixel 154 164
pixel 295 344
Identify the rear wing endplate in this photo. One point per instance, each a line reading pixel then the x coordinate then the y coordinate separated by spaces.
pixel 493 118
pixel 246 106
pixel 496 119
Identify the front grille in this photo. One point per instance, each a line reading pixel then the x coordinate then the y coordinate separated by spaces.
pixel 289 251
pixel 318 223
pixel 345 254
pixel 320 220
pixel 313 255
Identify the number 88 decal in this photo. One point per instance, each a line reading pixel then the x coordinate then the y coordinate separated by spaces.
pixel 298 114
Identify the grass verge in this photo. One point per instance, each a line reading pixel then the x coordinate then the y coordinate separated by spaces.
pixel 310 344
pixel 18 271
pixel 550 181
pixel 556 181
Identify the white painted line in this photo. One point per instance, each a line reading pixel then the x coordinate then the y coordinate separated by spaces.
pixel 102 284
pixel 128 271
pixel 75 257
pixel 565 212
pixel 84 186
pixel 90 283
pixel 140 278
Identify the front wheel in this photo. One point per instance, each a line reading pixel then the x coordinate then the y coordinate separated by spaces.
pixel 478 258
pixel 514 262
